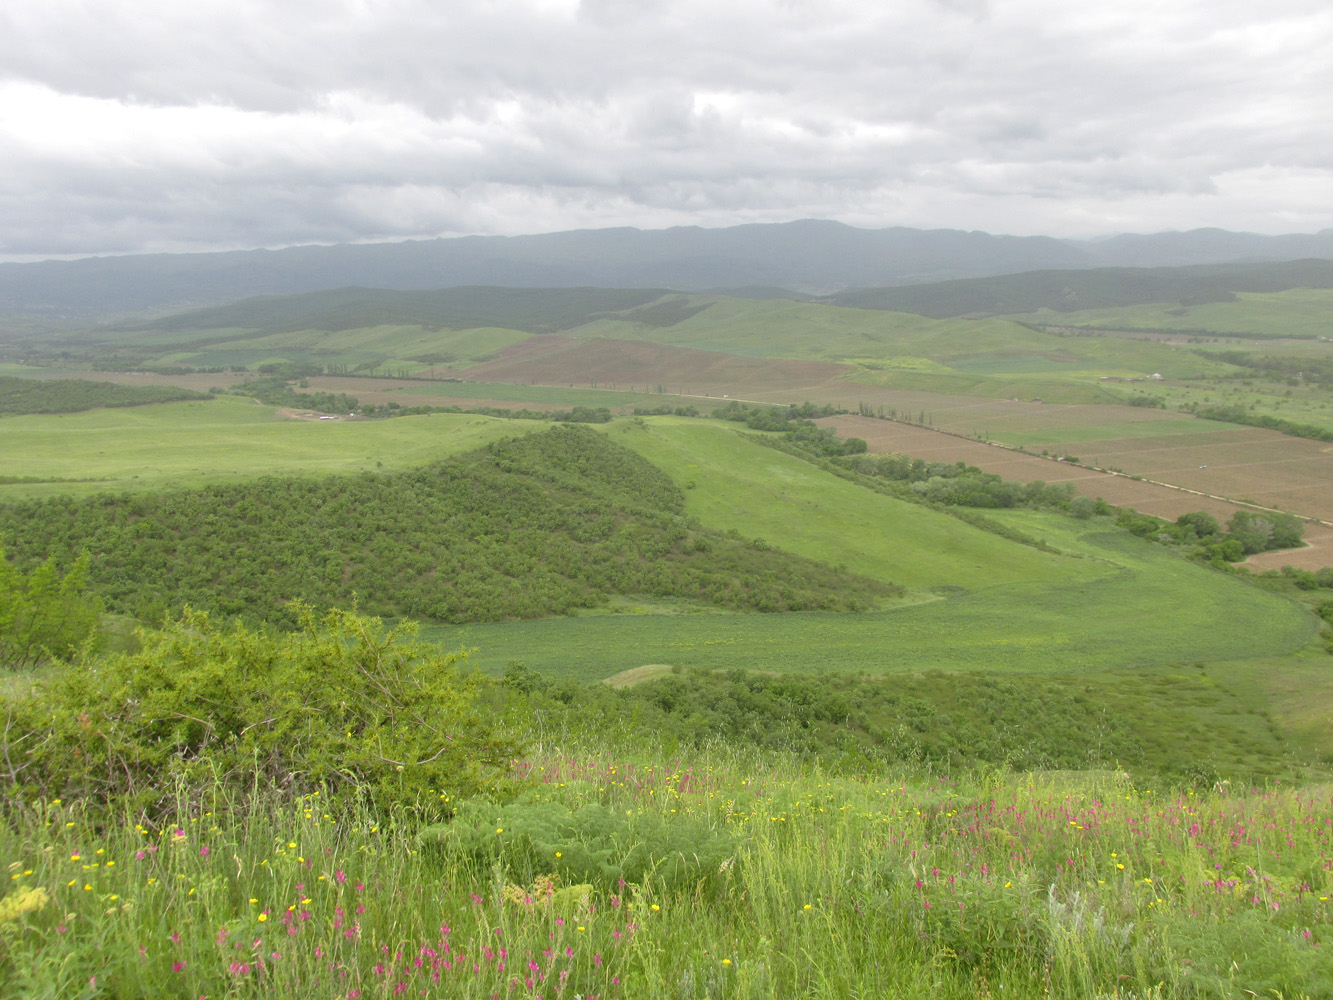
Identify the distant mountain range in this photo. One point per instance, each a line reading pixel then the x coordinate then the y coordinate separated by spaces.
pixel 807 258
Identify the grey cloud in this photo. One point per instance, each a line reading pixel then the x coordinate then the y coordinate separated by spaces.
pixel 318 121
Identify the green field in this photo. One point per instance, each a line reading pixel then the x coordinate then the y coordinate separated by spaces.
pixel 1299 312
pixel 390 346
pixel 185 444
pixel 806 331
pixel 1149 608
pixel 762 492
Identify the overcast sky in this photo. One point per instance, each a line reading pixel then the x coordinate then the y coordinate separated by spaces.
pixel 139 125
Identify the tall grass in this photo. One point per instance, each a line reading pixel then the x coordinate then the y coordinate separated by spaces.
pixel 891 885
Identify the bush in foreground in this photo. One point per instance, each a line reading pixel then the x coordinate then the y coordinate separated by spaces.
pixel 343 703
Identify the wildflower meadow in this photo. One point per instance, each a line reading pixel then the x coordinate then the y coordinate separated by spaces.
pixel 727 874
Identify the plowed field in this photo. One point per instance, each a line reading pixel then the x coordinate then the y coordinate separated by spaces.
pixel 884 436
pixel 552 360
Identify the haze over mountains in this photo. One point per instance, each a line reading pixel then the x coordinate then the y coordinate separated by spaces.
pixel 809 257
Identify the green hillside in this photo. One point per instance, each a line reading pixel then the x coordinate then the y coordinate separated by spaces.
pixel 1149 608
pixel 533 310
pixel 380 347
pixel 1299 312
pixel 734 484
pixel 1066 292
pixel 900 341
pixel 528 527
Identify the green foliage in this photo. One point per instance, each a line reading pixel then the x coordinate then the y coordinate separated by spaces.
pixel 1248 954
pixel 1261 532
pixel 587 845
pixel 1240 415
pixel 531 526
pixel 276 390
pixel 958 484
pixel 44 614
pixel 342 703
pixel 1142 525
pixel 23 395
pixel 954 721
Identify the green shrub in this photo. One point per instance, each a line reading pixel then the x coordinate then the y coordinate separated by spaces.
pixel 342 703
pixel 44 614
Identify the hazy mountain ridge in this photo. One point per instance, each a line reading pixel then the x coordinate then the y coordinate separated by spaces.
pixel 1096 288
pixel 810 257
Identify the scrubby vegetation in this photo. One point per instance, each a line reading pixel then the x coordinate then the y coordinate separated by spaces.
pixel 22 395
pixel 341 704
pixel 532 526
pixel 45 614
pixel 341 812
pixel 1201 536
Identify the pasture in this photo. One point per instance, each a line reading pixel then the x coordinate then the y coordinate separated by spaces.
pixel 186 444
pixel 732 483
pixel 1146 608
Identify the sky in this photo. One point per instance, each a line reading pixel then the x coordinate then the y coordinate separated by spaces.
pixel 158 125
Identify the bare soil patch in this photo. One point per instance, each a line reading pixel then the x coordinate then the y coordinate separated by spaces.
pixel 972 414
pixel 1252 464
pixel 551 360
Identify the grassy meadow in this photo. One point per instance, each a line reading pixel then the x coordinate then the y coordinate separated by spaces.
pixel 733 484
pixel 1144 615
pixel 774 880
pixel 186 444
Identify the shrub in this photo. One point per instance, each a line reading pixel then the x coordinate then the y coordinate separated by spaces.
pixel 44 614
pixel 342 703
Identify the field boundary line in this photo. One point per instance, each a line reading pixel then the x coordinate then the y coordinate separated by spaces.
pixel 1107 472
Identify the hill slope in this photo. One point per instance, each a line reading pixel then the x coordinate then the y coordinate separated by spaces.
pixel 527 527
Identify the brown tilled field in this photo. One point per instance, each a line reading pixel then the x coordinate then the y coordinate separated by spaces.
pixel 409 392
pixel 884 436
pixel 552 360
pixel 1248 463
pixel 971 414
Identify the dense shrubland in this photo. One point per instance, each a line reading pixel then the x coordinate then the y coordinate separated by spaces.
pixel 534 526
pixel 22 395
